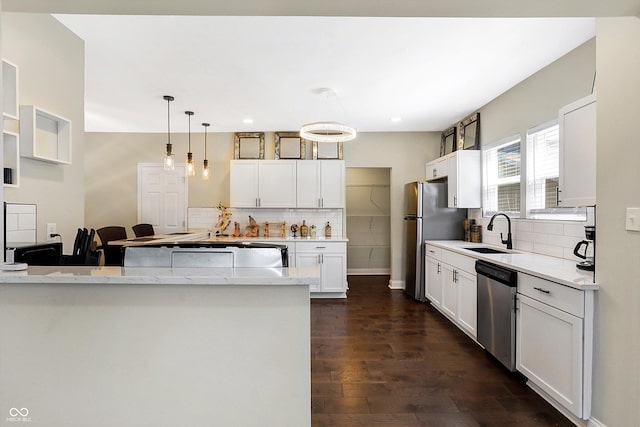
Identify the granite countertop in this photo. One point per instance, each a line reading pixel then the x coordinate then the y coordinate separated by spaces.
pixel 163 276
pixel 558 270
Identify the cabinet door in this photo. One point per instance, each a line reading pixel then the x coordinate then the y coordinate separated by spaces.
pixel 467 301
pixel 464 182
pixel 449 292
pixel 549 351
pixel 433 285
pixel 333 272
pixel 243 184
pixel 437 169
pixel 277 183
pixel 332 184
pixel 308 184
pixel 578 153
pixel 305 260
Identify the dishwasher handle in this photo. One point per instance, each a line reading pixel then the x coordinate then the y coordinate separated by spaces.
pixel 498 273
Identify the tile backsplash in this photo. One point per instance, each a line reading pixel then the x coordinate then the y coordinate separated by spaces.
pixel 208 217
pixel 546 237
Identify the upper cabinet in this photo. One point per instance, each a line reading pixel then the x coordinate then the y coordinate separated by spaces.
pixel 263 183
pixel 465 179
pixel 578 153
pixel 44 136
pixel 437 168
pixel 321 184
pixel 9 90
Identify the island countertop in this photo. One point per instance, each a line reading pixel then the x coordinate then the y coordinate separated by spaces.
pixel 159 276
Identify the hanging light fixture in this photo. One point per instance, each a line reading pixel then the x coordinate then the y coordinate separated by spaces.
pixel 327 131
pixel 205 164
pixel 168 158
pixel 191 169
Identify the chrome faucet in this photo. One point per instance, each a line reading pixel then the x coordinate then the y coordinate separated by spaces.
pixel 507 242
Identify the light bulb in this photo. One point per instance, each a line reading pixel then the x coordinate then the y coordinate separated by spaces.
pixel 168 162
pixel 205 170
pixel 191 170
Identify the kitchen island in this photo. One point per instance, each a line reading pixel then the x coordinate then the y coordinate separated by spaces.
pixel 153 347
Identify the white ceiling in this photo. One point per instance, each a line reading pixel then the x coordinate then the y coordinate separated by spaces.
pixel 429 71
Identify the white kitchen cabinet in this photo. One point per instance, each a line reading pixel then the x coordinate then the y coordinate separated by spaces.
pixel 262 183
pixel 433 279
pixel 320 184
pixel 577 123
pixel 331 258
pixel 553 341
pixel 464 179
pixel 437 168
pixel 451 286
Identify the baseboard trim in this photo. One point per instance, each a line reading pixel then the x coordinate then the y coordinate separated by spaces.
pixel 368 271
pixel 396 284
pixel 593 422
pixel 564 411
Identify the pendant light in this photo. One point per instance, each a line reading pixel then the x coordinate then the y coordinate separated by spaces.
pixel 327 131
pixel 168 158
pixel 205 168
pixel 191 169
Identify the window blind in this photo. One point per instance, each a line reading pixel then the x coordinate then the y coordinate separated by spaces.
pixel 501 189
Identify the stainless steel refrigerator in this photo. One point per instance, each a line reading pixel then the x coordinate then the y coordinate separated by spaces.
pixel 426 217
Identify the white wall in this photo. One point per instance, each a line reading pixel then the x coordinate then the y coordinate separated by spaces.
pixel 617 332
pixel 51 73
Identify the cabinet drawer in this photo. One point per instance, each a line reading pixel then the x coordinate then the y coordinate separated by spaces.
pixel 433 252
pixel 460 262
pixel 321 247
pixel 554 294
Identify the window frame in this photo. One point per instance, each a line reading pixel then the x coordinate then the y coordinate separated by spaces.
pixel 515 138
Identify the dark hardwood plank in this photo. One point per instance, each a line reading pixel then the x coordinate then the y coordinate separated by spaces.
pixel 379 358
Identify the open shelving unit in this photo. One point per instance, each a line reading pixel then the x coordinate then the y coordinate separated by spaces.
pixel 44 136
pixel 10 90
pixel 11 149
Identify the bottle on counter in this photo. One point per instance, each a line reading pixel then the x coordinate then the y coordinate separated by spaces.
pixel 327 230
pixel 312 232
pixel 304 229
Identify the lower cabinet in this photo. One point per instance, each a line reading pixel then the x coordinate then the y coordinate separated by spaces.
pixel 331 258
pixel 451 287
pixel 554 341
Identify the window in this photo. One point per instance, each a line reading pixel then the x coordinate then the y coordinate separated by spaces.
pixel 543 170
pixel 501 190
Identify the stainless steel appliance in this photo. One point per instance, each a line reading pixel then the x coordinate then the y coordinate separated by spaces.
pixel 589 262
pixel 426 217
pixel 194 254
pixel 496 328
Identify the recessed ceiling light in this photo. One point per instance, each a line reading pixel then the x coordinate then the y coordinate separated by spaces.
pixel 396 119
pixel 247 121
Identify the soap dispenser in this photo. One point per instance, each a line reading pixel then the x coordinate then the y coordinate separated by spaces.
pixel 327 230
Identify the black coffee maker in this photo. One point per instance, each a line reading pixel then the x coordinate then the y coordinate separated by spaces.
pixel 589 262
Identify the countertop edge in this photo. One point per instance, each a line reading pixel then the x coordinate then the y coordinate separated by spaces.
pixel 456 246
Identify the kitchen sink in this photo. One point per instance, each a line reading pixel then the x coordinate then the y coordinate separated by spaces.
pixel 485 250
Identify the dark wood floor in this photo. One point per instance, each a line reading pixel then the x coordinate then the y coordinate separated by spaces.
pixel 380 359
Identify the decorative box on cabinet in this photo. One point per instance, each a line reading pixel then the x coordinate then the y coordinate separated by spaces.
pixel 10 90
pixel 320 184
pixel 11 149
pixel 44 136
pixel 577 123
pixel 331 258
pixel 262 183
pixel 556 320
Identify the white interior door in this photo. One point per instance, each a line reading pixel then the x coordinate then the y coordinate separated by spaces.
pixel 162 197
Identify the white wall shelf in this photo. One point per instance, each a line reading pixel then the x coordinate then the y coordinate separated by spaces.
pixel 10 90
pixel 44 136
pixel 11 149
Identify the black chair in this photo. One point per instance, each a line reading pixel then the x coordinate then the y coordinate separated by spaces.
pixel 141 230
pixel 112 253
pixel 83 253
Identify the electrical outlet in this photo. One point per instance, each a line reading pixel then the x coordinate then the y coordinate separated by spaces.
pixel 51 229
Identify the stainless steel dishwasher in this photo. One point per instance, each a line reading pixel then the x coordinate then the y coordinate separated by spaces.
pixel 497 311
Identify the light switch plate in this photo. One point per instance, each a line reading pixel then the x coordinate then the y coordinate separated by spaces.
pixel 633 219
